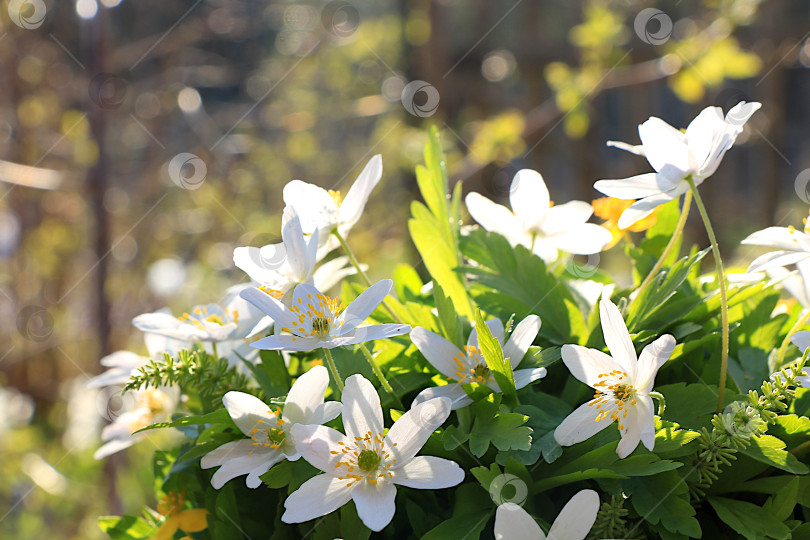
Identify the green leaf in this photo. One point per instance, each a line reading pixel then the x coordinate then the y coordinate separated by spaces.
pixel 751 521
pixel 448 319
pixel 497 364
pixel 466 526
pixel 125 527
pixel 749 369
pixel 668 438
pixel 279 475
pixel 219 416
pixel 769 450
pixel 664 499
pixel 504 431
pixel 407 283
pixel 782 503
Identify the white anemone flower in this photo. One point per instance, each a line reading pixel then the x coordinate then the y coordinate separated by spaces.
pixel 326 211
pixel 270 438
pixel 364 465
pixel 469 366
pixel 278 268
pixel 675 155
pixel 141 408
pixel 203 323
pixel 574 521
pixel 315 321
pixel 622 382
pixel 535 223
pixel 792 247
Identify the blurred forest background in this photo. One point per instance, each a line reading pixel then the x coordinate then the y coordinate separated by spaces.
pixel 99 96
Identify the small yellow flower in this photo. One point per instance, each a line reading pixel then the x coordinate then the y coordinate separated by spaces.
pixel 609 209
pixel 178 517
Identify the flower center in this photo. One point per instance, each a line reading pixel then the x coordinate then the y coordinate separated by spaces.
pixel 336 196
pixel 200 315
pixel 364 458
pixel 471 366
pixel 172 503
pixel 270 437
pixel 614 394
pixel 316 316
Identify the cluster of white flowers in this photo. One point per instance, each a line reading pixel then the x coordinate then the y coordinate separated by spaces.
pixel 285 309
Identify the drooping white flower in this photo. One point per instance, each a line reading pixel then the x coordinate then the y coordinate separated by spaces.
pixel 203 323
pixel 141 408
pixel 622 383
pixel 314 320
pixel 535 223
pixel 326 211
pixel 792 247
pixel 674 155
pixel 574 521
pixel 278 268
pixel 469 366
pixel 270 437
pixel 363 465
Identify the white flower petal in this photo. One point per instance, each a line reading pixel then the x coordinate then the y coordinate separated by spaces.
pixel 300 253
pixel 428 472
pixel 617 338
pixel 248 412
pixel 113 447
pixel 496 329
pixel 652 357
pixel 316 208
pixel 326 412
pixel 362 413
pixel 375 504
pixel 521 339
pixel 635 187
pixel 306 395
pixel 316 497
pixel 370 333
pixel 631 427
pixel 524 377
pixel 265 265
pixel 705 132
pixel 411 430
pixel 269 305
pixel 665 148
pixel 587 364
pixel 801 339
pixel 583 239
pixel 529 198
pixel 780 238
pixel 776 259
pixel 453 391
pixel 581 424
pixel 493 217
pixel 437 350
pixel 575 520
pixel 246 464
pixel 646 206
pixel 363 306
pixel 355 201
pixel 316 444
pixel 285 342
pixel 633 149
pixel 331 273
pixel 228 451
pixel 160 323
pixel 742 111
pixel 561 217
pixel 513 523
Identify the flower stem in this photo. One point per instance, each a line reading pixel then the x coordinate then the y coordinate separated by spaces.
pixel 361 272
pixel 721 279
pixel 780 358
pixel 333 368
pixel 214 350
pixel 687 203
pixel 662 403
pixel 379 374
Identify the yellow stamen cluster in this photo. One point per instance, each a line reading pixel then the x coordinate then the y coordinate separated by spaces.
pixel 316 317
pixel 806 226
pixel 365 458
pixel 269 435
pixel 471 366
pixel 172 503
pixel 336 196
pixel 275 293
pixel 614 394
pixel 200 315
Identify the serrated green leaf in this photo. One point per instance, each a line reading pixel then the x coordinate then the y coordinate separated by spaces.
pixel 749 520
pixel 769 450
pixel 664 499
pixel 497 364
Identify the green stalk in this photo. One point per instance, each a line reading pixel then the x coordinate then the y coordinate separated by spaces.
pixel 687 203
pixel 721 278
pixel 379 374
pixel 333 368
pixel 349 253
pixel 780 358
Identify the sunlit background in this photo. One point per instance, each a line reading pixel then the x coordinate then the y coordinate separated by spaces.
pixel 141 141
